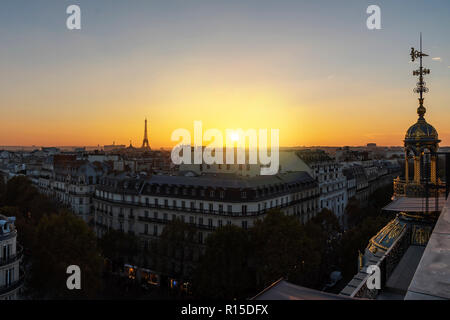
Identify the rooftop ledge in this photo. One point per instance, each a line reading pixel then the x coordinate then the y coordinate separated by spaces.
pixel 431 280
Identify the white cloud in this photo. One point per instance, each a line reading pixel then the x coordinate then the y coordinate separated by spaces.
pixel 437 59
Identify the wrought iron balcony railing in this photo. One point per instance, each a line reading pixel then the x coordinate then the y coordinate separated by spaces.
pixel 12 286
pixel 12 258
pixel 404 188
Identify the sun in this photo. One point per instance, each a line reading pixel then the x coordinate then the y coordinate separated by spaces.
pixel 234 137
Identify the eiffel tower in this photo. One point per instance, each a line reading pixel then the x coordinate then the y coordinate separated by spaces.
pixel 145 144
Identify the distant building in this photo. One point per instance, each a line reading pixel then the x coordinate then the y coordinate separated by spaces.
pixel 289 161
pixel 51 150
pixel 113 147
pixel 72 182
pixel 332 182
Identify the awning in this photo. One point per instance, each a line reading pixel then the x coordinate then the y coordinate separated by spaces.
pixel 283 290
pixel 407 204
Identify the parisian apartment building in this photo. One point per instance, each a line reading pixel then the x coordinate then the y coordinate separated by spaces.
pixel 11 275
pixel 144 205
pixel 331 180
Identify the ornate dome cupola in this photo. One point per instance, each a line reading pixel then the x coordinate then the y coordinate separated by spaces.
pixel 421 137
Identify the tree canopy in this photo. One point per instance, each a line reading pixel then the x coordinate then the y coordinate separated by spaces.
pixel 224 270
pixel 63 240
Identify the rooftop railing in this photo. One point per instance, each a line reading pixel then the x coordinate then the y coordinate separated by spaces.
pixel 404 188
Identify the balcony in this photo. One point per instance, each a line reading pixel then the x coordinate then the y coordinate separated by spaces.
pixel 204 210
pixel 12 258
pixel 415 190
pixel 12 286
pixel 195 225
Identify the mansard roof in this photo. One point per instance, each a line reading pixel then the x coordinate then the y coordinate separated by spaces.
pixel 222 181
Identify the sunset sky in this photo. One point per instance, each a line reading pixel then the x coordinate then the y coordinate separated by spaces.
pixel 311 69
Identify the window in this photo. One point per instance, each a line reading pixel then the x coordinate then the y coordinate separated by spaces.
pixel 191 219
pixel 220 208
pixel 155 230
pixel 183 204
pixel 166 203
pixel 155 215
pixel 243 195
pixel 219 223
pixel 230 209
pixel 222 194
pixel 145 213
pixel 210 223
pixel 244 224
pixel 244 209
pixel 165 216
pixel 200 221
pixel 211 208
pixel 192 205
pixel 201 206
pixel 145 228
pixel 200 237
pixel 156 202
pixel 211 193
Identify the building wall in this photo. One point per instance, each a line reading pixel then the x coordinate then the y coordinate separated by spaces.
pixel 9 263
pixel 333 187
